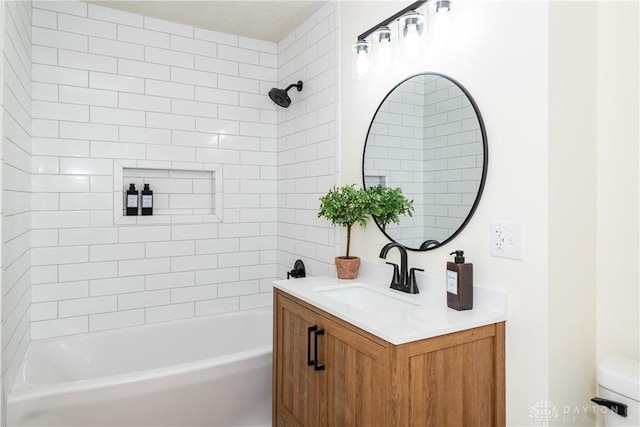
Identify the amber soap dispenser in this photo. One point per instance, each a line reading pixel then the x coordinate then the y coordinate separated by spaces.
pixel 459 283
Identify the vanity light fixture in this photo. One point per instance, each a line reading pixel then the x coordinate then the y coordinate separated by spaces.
pixel 376 47
pixel 442 27
pixel 442 5
pixel 382 48
pixel 361 59
pixel 411 26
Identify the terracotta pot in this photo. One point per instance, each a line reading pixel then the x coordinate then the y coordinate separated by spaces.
pixel 347 267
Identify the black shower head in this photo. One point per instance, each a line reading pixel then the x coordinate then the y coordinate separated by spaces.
pixel 280 97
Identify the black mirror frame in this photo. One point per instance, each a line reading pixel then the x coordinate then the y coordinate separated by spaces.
pixel 485 163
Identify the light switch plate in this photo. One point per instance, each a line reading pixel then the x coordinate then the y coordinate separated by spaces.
pixel 506 240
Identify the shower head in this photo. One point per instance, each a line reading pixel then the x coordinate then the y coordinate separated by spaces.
pixel 280 97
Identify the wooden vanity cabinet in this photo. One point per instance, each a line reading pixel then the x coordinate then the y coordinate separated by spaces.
pixel 352 364
pixel 358 379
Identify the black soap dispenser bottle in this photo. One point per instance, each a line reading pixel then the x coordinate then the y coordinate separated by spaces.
pixel 147 200
pixel 459 283
pixel 132 200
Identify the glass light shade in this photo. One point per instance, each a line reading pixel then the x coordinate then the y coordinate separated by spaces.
pixel 361 59
pixel 411 29
pixel 442 28
pixel 382 49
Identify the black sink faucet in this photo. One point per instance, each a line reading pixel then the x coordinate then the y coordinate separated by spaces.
pixel 403 280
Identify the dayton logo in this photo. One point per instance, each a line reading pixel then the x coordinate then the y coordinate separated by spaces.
pixel 544 412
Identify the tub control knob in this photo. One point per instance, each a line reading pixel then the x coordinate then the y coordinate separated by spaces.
pixel 298 270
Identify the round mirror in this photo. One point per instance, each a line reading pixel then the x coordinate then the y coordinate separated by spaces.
pixel 428 138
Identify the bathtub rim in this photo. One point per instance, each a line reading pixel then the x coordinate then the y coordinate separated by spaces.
pixel 23 390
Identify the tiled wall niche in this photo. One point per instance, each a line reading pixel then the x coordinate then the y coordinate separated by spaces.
pixel 180 196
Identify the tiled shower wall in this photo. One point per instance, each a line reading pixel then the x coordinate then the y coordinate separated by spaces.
pixel 16 184
pixel 115 87
pixel 308 143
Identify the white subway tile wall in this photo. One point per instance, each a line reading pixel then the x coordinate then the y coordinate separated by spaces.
pixel 308 144
pixel 17 107
pixel 113 88
pixel 119 87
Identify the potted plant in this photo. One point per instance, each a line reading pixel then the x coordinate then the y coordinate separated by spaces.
pixel 345 206
pixel 387 204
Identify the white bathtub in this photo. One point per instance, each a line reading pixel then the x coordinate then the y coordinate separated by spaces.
pixel 207 371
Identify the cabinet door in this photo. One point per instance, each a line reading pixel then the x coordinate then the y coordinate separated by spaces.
pixel 461 383
pixel 357 390
pixel 297 385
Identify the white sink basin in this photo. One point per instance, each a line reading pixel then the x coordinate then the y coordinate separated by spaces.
pixel 364 298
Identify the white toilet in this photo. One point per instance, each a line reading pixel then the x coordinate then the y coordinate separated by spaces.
pixel 619 380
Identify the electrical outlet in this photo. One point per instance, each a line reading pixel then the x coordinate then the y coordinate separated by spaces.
pixel 506 240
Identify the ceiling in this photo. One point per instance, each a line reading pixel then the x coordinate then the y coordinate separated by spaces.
pixel 265 20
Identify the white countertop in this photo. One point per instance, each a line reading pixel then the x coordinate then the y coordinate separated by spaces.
pixel 426 315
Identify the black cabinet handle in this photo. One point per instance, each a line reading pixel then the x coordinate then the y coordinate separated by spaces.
pixel 310 329
pixel 317 366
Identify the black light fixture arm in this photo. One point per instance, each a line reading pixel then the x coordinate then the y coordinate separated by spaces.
pixel 390 19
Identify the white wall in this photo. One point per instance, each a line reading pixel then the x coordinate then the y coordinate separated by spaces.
pixel 572 207
pixel 501 57
pixel 618 215
pixel 308 143
pixel 16 185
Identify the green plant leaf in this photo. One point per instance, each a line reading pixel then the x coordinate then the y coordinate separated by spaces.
pixel 387 204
